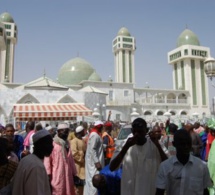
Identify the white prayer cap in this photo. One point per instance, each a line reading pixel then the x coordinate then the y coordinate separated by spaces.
pixel 97 123
pixel 40 134
pixel 48 128
pixel 62 126
pixel 79 129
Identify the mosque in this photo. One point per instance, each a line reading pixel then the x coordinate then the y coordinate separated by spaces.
pixel 80 94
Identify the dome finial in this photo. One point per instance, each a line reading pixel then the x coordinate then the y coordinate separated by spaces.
pixel 44 73
pixel 186 27
pixel 78 54
pixel 124 32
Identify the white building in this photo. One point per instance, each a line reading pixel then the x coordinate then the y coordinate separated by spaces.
pixel 78 82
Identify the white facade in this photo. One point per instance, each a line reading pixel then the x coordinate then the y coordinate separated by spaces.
pixel 189 94
pixel 189 74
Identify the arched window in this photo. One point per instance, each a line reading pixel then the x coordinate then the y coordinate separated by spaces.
pixel 160 113
pixel 147 113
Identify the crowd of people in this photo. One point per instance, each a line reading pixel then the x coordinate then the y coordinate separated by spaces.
pixel 82 159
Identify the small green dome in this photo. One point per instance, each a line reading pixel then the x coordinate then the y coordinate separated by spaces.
pixel 187 37
pixel 76 70
pixel 94 77
pixel 6 17
pixel 124 32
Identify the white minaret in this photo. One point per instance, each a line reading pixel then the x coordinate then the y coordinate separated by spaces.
pixel 188 70
pixel 123 48
pixel 7 56
pixel 2 48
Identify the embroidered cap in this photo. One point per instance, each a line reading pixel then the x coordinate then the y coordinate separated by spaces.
pixel 97 123
pixel 62 126
pixel 40 134
pixel 48 128
pixel 79 129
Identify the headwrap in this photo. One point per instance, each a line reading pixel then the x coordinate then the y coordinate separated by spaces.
pixel 108 124
pixel 98 124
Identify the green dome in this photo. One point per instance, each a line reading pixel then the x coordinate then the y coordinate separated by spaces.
pixel 187 37
pixel 76 70
pixel 94 77
pixel 6 17
pixel 124 32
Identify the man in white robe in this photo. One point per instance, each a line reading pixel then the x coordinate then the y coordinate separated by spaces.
pixel 31 177
pixel 140 158
pixel 94 159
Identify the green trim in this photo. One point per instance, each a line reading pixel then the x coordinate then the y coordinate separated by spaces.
pixel 182 75
pixel 7 60
pixel 193 76
pixel 123 65
pixel 203 83
pixel 130 68
pixel 127 39
pixel 7 26
pixel 176 76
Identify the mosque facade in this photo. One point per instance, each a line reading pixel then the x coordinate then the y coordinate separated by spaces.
pixel 78 82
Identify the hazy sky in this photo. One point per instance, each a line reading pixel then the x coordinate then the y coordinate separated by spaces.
pixel 53 32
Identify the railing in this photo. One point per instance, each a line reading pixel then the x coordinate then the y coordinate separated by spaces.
pixel 162 101
pixel 182 101
pixel 171 101
pixel 119 103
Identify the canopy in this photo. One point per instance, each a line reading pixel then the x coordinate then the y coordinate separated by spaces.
pixel 58 111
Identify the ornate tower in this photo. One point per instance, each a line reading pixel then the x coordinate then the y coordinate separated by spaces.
pixel 123 49
pixel 188 70
pixel 7 56
pixel 2 48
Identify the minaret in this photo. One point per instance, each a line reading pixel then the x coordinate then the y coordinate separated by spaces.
pixel 7 56
pixel 123 48
pixel 188 70
pixel 2 48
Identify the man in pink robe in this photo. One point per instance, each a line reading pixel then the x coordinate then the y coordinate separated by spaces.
pixel 60 164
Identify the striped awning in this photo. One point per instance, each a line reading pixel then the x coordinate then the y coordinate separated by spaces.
pixel 58 111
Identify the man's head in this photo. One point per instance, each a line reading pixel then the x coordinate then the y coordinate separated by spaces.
pixel 80 131
pixel 85 125
pixel 182 142
pixel 189 127
pixel 9 130
pixel 99 125
pixel 172 128
pixel 99 181
pixel 139 129
pixel 63 131
pixel 196 125
pixel 50 129
pixel 38 127
pixel 108 127
pixel 212 131
pixel 42 143
pixel 29 126
pixel 161 125
pixel 157 131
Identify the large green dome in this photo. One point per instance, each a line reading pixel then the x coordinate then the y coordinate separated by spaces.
pixel 76 70
pixel 6 17
pixel 124 32
pixel 187 37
